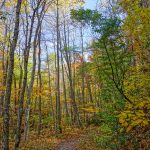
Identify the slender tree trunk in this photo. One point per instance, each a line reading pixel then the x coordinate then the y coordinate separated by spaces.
pixel 6 116
pixel 4 70
pixel 75 113
pixel 29 90
pixel 49 85
pixel 76 118
pixel 40 83
pixel 24 84
pixel 90 91
pixel 58 109
pixel 64 89
pixel 15 94
pixel 82 69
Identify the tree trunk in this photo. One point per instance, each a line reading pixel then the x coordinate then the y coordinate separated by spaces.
pixel 6 116
pixel 40 83
pixel 29 90
pixel 64 90
pixel 58 109
pixel 24 84
pixel 49 85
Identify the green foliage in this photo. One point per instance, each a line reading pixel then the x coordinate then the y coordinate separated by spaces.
pixel 120 80
pixel 102 141
pixel 95 120
pixel 108 118
pixel 86 16
pixel 105 129
pixel 47 120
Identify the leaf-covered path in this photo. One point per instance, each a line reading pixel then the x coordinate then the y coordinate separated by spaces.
pixel 68 145
pixel 78 141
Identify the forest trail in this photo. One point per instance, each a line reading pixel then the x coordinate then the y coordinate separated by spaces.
pixel 71 139
pixel 70 144
pixel 74 74
pixel 78 141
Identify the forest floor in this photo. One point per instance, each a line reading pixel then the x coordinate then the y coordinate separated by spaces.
pixel 71 139
pixel 78 141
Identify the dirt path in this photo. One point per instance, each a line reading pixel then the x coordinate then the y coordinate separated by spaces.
pixel 70 144
pixel 78 140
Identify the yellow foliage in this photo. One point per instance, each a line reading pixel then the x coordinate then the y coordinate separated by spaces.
pixel 90 110
pixel 136 85
pixel 136 115
pixel 137 27
pixel 11 3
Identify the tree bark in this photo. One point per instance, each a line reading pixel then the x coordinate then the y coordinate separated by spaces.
pixel 40 83
pixel 24 84
pixel 58 108
pixel 6 116
pixel 29 89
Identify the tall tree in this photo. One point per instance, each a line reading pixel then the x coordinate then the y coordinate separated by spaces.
pixel 28 39
pixel 58 108
pixel 5 143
